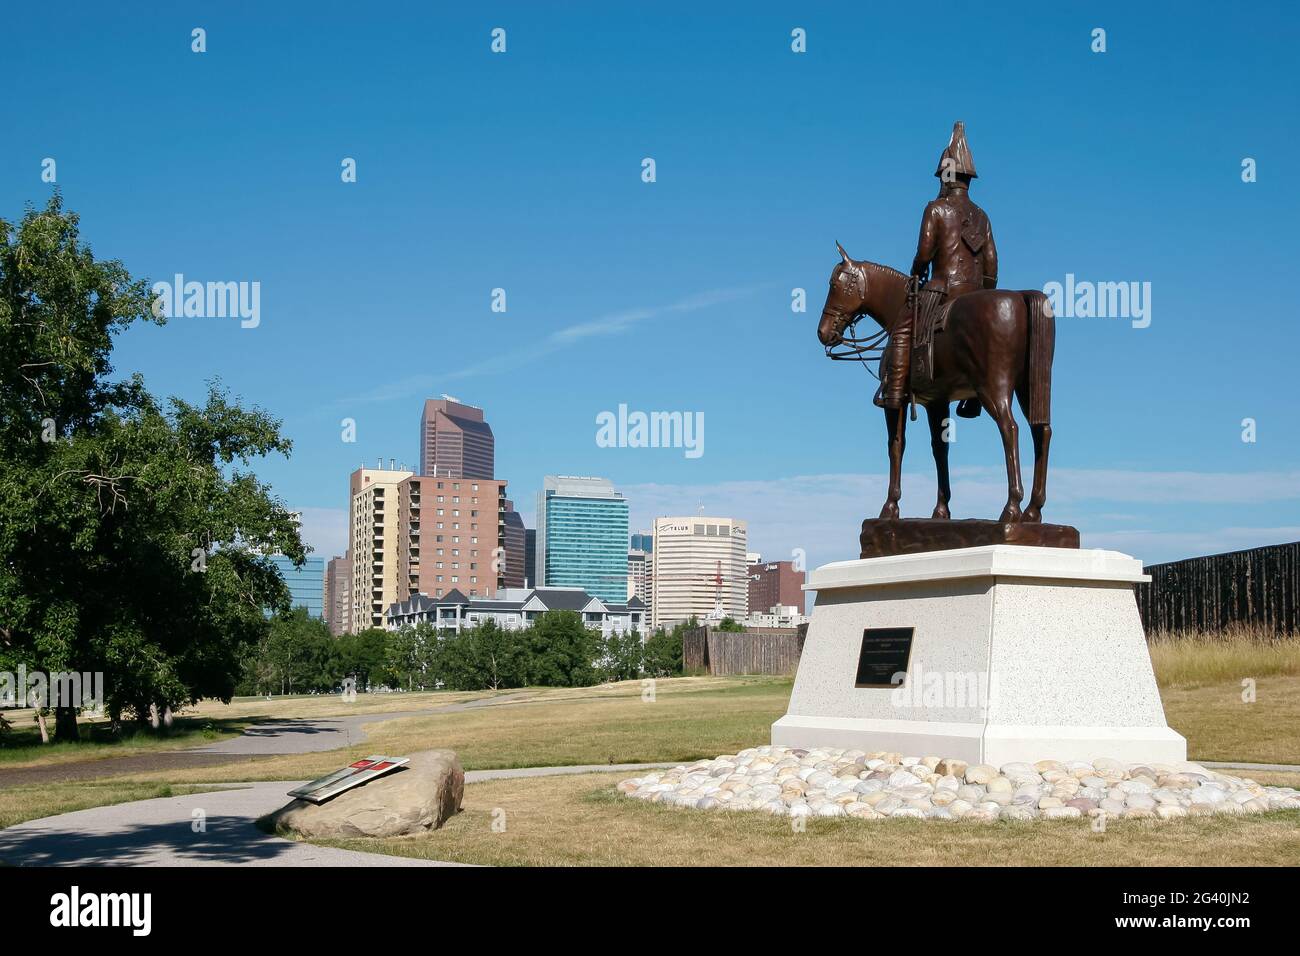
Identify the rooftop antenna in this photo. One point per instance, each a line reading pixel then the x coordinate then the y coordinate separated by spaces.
pixel 718 612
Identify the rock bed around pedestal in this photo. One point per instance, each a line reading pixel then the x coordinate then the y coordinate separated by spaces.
pixel 871 786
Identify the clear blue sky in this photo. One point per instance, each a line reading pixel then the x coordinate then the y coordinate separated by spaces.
pixel 523 171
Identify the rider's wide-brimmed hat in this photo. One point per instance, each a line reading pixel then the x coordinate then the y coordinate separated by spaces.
pixel 958 151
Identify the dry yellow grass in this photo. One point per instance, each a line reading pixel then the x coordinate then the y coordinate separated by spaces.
pixel 581 821
pixel 1195 658
pixel 1219 725
pixel 690 717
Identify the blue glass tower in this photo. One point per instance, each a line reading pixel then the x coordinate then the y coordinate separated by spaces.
pixel 582 536
pixel 306 584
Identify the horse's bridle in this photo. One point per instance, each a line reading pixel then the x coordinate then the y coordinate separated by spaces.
pixel 850 348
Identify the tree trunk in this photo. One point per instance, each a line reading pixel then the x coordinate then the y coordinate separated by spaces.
pixel 65 725
pixel 40 717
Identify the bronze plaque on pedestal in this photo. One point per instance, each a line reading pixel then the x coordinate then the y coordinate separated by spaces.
pixel 883 656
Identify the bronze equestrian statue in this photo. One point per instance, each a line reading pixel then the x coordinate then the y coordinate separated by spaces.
pixel 953 336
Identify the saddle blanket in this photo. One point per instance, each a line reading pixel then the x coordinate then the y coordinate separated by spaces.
pixel 932 309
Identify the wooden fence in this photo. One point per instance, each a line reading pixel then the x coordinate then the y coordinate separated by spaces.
pixel 1256 588
pixel 759 650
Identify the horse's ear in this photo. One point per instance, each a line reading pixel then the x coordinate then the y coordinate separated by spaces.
pixel 843 254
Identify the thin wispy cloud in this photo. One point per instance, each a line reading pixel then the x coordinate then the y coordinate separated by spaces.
pixel 612 324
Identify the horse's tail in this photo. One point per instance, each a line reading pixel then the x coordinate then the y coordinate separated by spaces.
pixel 1042 345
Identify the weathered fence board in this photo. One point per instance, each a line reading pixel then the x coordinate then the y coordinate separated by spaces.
pixel 1259 588
pixel 759 650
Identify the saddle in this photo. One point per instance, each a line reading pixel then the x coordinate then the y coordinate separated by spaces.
pixel 930 309
pixel 931 318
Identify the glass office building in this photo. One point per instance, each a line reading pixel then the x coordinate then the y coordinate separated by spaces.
pixel 306 584
pixel 582 536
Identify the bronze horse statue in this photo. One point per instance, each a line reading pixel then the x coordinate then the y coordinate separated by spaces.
pixel 996 343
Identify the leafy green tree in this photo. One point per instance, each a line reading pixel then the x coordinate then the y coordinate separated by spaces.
pixel 663 651
pixel 500 656
pixel 483 657
pixel 562 651
pixel 401 665
pixel 410 657
pixel 731 624
pixel 363 655
pixel 299 655
pixel 132 539
pixel 623 656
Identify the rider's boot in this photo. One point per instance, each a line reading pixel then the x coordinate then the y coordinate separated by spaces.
pixel 893 386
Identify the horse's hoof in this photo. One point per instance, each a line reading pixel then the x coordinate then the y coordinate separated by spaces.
pixel 1032 516
pixel 889 512
pixel 940 514
pixel 1011 515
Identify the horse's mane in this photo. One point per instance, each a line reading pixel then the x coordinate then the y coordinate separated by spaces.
pixel 883 270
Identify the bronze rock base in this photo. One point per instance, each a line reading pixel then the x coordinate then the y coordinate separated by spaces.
pixel 882 537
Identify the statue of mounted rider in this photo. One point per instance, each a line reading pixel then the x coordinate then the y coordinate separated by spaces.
pixel 952 335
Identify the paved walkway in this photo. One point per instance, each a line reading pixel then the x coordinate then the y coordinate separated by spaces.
pixel 161 832
pixel 295 735
pixel 276 736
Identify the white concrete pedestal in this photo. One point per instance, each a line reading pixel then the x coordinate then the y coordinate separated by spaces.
pixel 1018 654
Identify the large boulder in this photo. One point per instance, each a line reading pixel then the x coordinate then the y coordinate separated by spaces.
pixel 418 797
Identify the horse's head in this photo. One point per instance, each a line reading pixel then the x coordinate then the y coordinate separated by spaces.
pixel 845 301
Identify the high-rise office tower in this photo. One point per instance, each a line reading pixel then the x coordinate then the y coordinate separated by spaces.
pixel 639 577
pixel 514 537
pixel 455 441
pixel 699 570
pixel 305 583
pixel 530 556
pixel 774 584
pixel 582 536
pixel 338 594
pixel 374 539
pixel 453 537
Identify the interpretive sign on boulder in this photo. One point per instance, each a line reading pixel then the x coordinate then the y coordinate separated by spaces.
pixel 418 797
pixel 354 774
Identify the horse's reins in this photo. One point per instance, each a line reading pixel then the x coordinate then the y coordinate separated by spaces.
pixel 865 350
pixel 871 348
